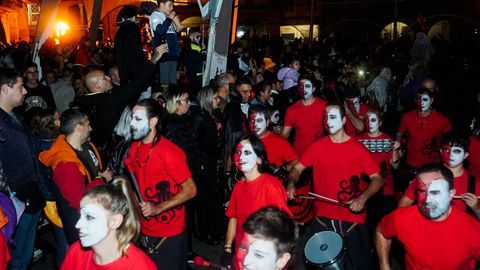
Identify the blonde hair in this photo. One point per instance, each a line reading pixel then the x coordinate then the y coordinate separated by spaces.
pixel 173 99
pixel 118 198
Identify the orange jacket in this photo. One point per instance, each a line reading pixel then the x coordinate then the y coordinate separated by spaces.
pixel 62 152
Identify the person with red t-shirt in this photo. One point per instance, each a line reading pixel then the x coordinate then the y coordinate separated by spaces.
pixel 279 151
pixel 424 127
pixel 339 163
pixel 165 184
pixel 474 157
pixel 107 226
pixel 258 189
pixel 355 112
pixel 454 151
pixel 380 145
pixel 305 117
pixel 434 234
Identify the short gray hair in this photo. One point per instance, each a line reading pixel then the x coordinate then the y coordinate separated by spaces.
pixel 222 79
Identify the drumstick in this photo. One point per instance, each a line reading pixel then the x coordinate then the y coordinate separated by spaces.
pixel 460 197
pixel 325 198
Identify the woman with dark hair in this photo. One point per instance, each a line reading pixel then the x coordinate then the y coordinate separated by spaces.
pixel 256 190
pixel 210 195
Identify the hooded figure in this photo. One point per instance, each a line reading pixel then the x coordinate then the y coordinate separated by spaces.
pixel 377 91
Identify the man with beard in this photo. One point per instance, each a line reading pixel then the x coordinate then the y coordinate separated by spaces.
pixel 165 184
pixel 454 151
pixel 424 127
pixel 340 164
pixel 305 117
pixel 434 234
pixel 76 167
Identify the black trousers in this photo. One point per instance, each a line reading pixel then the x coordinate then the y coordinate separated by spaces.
pixel 169 252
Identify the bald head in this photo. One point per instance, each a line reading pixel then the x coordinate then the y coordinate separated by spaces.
pixel 97 82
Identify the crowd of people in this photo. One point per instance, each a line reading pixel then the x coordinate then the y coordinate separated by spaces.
pixel 129 158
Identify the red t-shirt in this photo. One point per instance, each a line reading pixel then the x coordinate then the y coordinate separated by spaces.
pixel 279 151
pixel 349 127
pixel 445 245
pixel 474 156
pixel 307 122
pixel 337 170
pixel 248 197
pixel 381 149
pixel 423 136
pixel 82 259
pixel 460 184
pixel 163 169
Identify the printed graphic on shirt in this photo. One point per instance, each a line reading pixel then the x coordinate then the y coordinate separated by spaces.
pixel 349 189
pixel 430 149
pixel 163 192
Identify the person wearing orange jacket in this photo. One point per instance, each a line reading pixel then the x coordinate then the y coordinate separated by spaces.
pixel 76 167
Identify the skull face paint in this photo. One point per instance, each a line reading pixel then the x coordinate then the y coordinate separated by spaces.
pixel 433 197
pixel 354 104
pixel 452 156
pixel 333 120
pixel 258 123
pixel 245 158
pixel 255 254
pixel 424 102
pixel 139 125
pixel 93 223
pixel 275 117
pixel 305 89
pixel 372 122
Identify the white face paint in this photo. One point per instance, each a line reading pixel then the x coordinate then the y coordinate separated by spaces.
pixel 435 201
pixel 373 123
pixel 452 156
pixel 307 89
pixel 259 254
pixel 92 225
pixel 275 117
pixel 355 104
pixel 245 158
pixel 425 103
pixel 258 123
pixel 139 125
pixel 334 120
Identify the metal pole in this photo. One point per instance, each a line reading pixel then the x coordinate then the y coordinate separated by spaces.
pixel 95 22
pixel 310 36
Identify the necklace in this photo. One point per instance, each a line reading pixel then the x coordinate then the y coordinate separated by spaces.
pixel 140 165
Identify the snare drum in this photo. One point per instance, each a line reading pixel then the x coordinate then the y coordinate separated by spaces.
pixel 325 251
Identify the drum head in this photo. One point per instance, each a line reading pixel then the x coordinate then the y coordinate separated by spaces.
pixel 323 247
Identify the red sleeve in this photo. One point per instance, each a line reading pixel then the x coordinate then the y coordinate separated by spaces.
pixel 177 168
pixel 232 204
pixel 70 182
pixel 289 117
pixel 278 196
pixel 369 165
pixel 448 126
pixel 4 254
pixel 308 156
pixel 410 191
pixel 289 154
pixel 388 226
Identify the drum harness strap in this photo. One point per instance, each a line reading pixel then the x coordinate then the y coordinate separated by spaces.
pixel 150 249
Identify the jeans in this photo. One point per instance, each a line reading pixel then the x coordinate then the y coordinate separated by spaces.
pixel 62 244
pixel 24 239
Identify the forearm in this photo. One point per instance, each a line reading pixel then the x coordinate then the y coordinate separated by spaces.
pixel 356 122
pixel 374 186
pixel 286 132
pixel 382 246
pixel 294 175
pixel 231 231
pixel 189 190
pixel 291 165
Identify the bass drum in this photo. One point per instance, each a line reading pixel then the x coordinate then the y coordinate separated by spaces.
pixel 325 251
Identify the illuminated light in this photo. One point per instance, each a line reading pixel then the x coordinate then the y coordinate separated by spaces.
pixel 361 72
pixel 62 29
pixel 240 34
